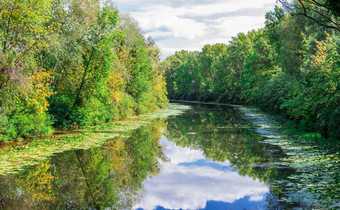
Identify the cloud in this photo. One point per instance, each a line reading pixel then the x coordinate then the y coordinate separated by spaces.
pixel 178 155
pixel 190 24
pixel 157 17
pixel 242 12
pixel 189 181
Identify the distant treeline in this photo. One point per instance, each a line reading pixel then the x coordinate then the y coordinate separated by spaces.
pixel 68 63
pixel 290 67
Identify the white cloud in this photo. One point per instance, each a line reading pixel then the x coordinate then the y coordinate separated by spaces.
pixel 181 155
pixel 193 23
pixel 158 33
pixel 229 25
pixel 165 17
pixel 186 185
pixel 221 7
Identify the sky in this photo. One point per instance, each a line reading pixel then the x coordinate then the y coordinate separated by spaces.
pixel 190 24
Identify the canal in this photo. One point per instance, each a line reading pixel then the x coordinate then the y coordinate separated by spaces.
pixel 209 157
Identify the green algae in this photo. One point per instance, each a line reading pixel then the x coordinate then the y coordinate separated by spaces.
pixel 14 158
pixel 316 181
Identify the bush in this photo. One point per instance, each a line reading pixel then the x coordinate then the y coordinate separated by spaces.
pixel 18 120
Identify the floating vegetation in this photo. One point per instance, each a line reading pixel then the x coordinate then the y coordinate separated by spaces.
pixel 316 181
pixel 14 158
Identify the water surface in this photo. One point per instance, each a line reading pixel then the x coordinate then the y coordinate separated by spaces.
pixel 214 161
pixel 208 158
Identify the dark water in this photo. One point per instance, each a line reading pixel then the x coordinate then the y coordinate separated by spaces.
pixel 207 158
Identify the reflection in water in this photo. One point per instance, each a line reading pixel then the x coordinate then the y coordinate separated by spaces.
pixel 207 158
pixel 190 180
pixel 223 165
pixel 100 178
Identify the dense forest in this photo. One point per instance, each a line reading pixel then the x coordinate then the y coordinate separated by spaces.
pixel 70 63
pixel 291 67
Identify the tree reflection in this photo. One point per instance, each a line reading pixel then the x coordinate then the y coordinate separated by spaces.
pixel 111 176
pixel 222 135
pixel 106 177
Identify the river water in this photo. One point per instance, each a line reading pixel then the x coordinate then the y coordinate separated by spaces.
pixel 210 157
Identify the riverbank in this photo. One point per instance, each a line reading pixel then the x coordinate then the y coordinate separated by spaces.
pixel 14 157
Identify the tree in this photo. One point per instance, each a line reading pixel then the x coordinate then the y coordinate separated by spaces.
pixel 323 12
pixel 259 66
pixel 24 29
pixel 291 51
pixel 72 63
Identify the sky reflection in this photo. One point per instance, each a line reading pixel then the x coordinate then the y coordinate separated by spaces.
pixel 189 181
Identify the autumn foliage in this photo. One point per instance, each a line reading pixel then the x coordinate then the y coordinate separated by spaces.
pixel 69 63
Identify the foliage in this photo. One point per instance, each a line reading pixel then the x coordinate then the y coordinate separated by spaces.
pixel 322 12
pixel 291 67
pixel 70 63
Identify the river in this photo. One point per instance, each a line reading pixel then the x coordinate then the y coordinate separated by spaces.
pixel 210 157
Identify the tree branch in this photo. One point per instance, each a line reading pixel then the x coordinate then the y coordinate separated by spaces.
pixel 288 6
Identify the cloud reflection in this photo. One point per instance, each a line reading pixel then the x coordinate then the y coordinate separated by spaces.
pixel 183 184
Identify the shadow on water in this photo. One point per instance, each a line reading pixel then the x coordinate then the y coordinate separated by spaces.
pixel 208 158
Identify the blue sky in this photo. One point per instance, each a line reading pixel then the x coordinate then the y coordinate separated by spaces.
pixel 190 24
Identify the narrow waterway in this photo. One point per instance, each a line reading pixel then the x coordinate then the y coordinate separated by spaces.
pixel 210 157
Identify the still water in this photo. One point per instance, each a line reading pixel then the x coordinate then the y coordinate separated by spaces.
pixel 207 158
